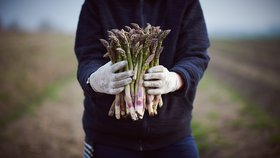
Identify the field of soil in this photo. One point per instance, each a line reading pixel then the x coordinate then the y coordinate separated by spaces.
pixel 251 67
pixel 235 112
pixel 30 63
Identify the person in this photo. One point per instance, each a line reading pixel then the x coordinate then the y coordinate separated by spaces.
pixel 182 64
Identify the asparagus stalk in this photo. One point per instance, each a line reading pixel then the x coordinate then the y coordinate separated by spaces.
pixel 140 103
pixel 139 92
pixel 162 36
pixel 118 97
pixel 112 109
pixel 115 107
pixel 128 100
pixel 122 105
pixel 150 98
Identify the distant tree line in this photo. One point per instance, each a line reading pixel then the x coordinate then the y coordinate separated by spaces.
pixel 1 25
pixel 43 26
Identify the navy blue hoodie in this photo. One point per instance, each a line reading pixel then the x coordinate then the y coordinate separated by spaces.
pixel 185 52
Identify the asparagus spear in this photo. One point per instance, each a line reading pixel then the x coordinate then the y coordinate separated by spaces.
pixel 128 100
pixel 140 103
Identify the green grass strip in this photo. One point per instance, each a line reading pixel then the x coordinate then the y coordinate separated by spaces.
pixel 50 92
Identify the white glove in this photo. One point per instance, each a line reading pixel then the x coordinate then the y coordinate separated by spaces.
pixel 106 80
pixel 159 80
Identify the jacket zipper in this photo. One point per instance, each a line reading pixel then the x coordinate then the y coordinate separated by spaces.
pixel 145 132
pixel 142 13
pixel 140 145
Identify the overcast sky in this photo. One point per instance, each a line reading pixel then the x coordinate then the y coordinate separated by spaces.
pixel 222 16
pixel 242 16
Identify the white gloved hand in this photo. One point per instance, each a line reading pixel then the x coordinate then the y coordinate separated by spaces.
pixel 106 80
pixel 159 80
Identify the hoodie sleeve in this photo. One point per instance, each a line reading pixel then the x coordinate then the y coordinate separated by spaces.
pixel 88 50
pixel 191 57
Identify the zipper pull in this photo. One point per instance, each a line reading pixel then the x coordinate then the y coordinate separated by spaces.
pixel 140 145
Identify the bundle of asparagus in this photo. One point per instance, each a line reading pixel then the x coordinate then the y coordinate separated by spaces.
pixel 141 48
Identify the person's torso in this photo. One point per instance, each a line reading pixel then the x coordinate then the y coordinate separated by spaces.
pixel 175 115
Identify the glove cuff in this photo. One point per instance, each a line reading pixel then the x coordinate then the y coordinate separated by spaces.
pixel 91 82
pixel 178 81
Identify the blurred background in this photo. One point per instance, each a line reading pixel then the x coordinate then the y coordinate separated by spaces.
pixel 236 111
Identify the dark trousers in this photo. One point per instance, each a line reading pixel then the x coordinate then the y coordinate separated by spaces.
pixel 185 148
